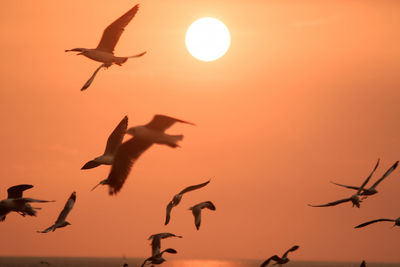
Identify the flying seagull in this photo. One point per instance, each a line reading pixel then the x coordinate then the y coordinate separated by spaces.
pixel 280 260
pixel 156 241
pixel 372 190
pixel 15 202
pixel 157 258
pixel 396 222
pixel 144 137
pixel 355 200
pixel 113 142
pixel 104 52
pixel 177 198
pixel 196 210
pixel 61 222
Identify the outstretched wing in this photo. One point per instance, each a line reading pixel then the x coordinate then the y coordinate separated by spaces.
pixel 347 186
pixel 275 258
pixel 366 180
pixel 334 203
pixel 290 250
pixel 67 208
pixel 113 32
pixel 115 138
pixel 208 205
pixel 126 155
pixel 17 190
pixel 373 221
pixel 162 122
pixel 51 228
pixel 168 212
pixel 193 187
pixel 89 82
pixel 386 174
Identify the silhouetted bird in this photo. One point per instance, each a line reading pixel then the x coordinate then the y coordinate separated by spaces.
pixel 15 202
pixel 372 190
pixel 158 259
pixel 280 260
pixel 113 142
pixel 196 210
pixel 363 264
pixel 177 198
pixel 45 263
pixel 144 137
pixel 355 200
pixel 104 52
pixel 156 241
pixel 61 220
pixel 396 222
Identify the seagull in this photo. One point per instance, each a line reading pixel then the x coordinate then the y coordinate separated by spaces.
pixel 177 198
pixel 278 259
pixel 104 52
pixel 156 241
pixel 355 200
pixel 61 222
pixel 196 210
pixel 15 202
pixel 396 222
pixel 113 142
pixel 144 137
pixel 372 190
pixel 157 258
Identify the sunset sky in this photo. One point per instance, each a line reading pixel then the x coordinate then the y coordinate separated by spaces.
pixel 307 93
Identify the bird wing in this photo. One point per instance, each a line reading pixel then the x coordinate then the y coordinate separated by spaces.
pixel 193 187
pixel 162 122
pixel 169 250
pixel 47 229
pixel 27 200
pixel 366 180
pixel 347 186
pixel 168 213
pixel 17 190
pixel 334 203
pixel 67 208
pixel 208 205
pixel 290 250
pixel 373 221
pixel 386 174
pixel 113 32
pixel 89 82
pixel 115 138
pixel 275 258
pixel 125 156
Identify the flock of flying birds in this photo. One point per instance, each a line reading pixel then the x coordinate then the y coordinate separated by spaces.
pixel 122 155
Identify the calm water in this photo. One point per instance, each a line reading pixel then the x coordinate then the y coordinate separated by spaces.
pixel 105 262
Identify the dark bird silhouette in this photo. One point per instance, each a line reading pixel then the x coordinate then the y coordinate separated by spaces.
pixel 15 202
pixel 104 52
pixel 280 260
pixel 156 241
pixel 113 142
pixel 354 199
pixel 196 211
pixel 372 190
pixel 396 222
pixel 158 259
pixel 61 220
pixel 363 264
pixel 143 138
pixel 177 199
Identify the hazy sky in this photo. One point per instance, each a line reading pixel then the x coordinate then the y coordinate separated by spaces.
pixel 307 93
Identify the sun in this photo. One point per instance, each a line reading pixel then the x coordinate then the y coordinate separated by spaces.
pixel 207 39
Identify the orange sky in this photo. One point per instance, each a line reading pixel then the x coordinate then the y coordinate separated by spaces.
pixel 307 93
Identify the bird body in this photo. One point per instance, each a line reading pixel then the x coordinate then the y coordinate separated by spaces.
pixel 196 211
pixel 61 220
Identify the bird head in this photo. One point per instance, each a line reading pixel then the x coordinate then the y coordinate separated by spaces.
pixel 81 50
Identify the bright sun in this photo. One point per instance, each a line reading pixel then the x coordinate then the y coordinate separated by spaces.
pixel 207 39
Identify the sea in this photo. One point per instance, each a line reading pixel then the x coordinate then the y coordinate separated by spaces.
pixel 119 262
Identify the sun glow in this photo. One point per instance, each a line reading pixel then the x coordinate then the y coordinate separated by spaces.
pixel 207 39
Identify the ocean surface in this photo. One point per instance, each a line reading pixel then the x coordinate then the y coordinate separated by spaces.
pixel 118 262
